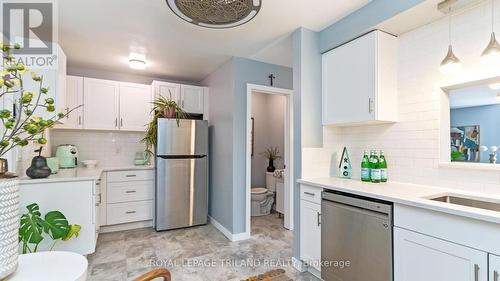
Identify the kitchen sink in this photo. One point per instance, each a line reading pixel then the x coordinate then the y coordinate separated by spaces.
pixel 475 203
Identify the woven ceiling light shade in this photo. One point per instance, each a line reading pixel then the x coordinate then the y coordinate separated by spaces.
pixel 215 13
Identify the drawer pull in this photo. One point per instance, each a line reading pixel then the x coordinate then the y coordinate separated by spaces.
pixel 130 191
pixel 130 212
pixel 495 275
pixel 476 272
pixel 130 176
pixel 309 193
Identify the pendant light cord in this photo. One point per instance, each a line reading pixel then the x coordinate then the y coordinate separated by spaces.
pixel 492 15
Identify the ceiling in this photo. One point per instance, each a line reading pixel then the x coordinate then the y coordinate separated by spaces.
pixel 100 35
pixel 474 96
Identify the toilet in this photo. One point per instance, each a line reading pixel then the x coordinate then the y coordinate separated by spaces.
pixel 263 197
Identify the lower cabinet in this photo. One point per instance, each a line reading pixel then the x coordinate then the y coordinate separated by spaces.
pixel 419 257
pixel 310 231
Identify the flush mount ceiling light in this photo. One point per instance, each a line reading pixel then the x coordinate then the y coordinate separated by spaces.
pixel 450 63
pixel 492 52
pixel 216 13
pixel 137 64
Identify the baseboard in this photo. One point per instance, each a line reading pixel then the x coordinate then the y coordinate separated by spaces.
pixel 227 233
pixel 125 226
pixel 299 265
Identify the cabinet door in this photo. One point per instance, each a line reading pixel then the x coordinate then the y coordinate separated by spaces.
pixel 167 90
pixel 349 82
pixel 420 257
pixel 192 99
pixel 310 233
pixel 494 268
pixel 135 106
pixel 101 102
pixel 74 98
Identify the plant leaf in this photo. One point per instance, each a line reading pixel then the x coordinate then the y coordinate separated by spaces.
pixel 74 230
pixel 56 225
pixel 30 230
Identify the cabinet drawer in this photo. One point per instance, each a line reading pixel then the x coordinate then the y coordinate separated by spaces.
pixel 310 193
pixel 119 192
pixel 140 175
pixel 130 212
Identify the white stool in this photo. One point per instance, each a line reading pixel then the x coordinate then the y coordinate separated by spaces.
pixel 61 266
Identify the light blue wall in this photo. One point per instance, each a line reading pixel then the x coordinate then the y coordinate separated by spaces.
pixel 487 117
pixel 362 21
pixel 307 109
pixel 221 85
pixel 253 72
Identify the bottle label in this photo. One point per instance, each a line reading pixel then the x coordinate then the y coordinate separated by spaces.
pixel 376 175
pixel 383 174
pixel 365 173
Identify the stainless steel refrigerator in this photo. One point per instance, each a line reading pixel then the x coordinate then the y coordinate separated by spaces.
pixel 181 174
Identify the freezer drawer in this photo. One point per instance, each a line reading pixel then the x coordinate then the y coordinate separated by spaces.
pixel 181 192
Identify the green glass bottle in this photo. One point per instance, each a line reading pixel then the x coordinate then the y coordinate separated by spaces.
pixel 375 168
pixel 365 167
pixel 372 153
pixel 383 167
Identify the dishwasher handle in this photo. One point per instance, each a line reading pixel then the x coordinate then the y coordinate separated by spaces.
pixel 382 216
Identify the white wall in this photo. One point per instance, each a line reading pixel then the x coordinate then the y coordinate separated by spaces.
pixel 268 111
pixel 112 149
pixel 412 145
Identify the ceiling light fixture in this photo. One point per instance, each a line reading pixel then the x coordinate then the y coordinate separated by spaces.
pixel 137 64
pixel 450 63
pixel 492 52
pixel 216 13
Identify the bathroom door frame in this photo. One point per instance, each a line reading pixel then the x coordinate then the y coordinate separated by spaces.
pixel 288 153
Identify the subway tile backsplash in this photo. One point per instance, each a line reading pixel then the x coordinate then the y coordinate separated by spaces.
pixel 110 148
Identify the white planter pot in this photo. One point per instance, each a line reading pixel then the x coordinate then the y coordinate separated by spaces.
pixel 9 226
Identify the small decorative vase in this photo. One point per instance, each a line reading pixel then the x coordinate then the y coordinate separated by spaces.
pixel 270 167
pixel 169 112
pixel 4 167
pixel 38 168
pixel 9 226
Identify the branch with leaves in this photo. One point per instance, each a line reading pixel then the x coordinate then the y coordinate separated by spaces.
pixel 21 125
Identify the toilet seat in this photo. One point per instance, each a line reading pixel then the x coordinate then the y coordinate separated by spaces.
pixel 259 190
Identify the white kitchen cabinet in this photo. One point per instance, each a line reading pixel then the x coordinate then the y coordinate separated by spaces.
pixel 135 106
pixel 74 99
pixel 420 257
pixel 360 81
pixel 192 99
pixel 167 90
pixel 101 104
pixel 310 233
pixel 494 267
pixel 76 200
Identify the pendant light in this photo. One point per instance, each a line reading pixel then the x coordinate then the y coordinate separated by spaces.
pixel 450 63
pixel 492 52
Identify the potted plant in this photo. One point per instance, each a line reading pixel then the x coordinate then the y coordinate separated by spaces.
pixel 272 154
pixel 19 125
pixel 162 108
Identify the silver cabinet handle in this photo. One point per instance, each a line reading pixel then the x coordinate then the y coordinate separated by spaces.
pixel 309 193
pixel 130 212
pixel 318 218
pixel 121 122
pixel 182 103
pixel 79 120
pixel 476 272
pixel 116 122
pixel 130 191
pixel 495 275
pixel 370 105
pixel 130 176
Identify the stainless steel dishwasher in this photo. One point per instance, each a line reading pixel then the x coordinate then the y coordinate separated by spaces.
pixel 358 231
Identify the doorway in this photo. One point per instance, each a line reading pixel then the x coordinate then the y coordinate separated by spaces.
pixel 285 146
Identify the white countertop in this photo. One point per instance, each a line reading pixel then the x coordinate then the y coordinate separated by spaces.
pixel 81 174
pixel 411 195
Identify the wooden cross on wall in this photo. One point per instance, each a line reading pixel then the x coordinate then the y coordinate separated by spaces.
pixel 271 78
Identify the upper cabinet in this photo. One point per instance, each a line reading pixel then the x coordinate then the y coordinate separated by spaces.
pixel 101 104
pixel 135 106
pixel 360 81
pixel 74 102
pixel 192 99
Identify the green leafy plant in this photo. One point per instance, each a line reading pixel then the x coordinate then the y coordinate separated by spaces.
pixel 162 108
pixel 21 125
pixel 271 153
pixel 33 227
pixel 456 155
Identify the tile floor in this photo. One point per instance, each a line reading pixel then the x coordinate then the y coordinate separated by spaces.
pixel 200 253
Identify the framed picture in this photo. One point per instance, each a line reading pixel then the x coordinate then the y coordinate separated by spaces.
pixel 465 143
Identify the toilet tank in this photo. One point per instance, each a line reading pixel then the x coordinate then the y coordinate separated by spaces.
pixel 270 182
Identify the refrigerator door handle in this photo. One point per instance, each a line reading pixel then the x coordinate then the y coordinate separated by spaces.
pixel 181 156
